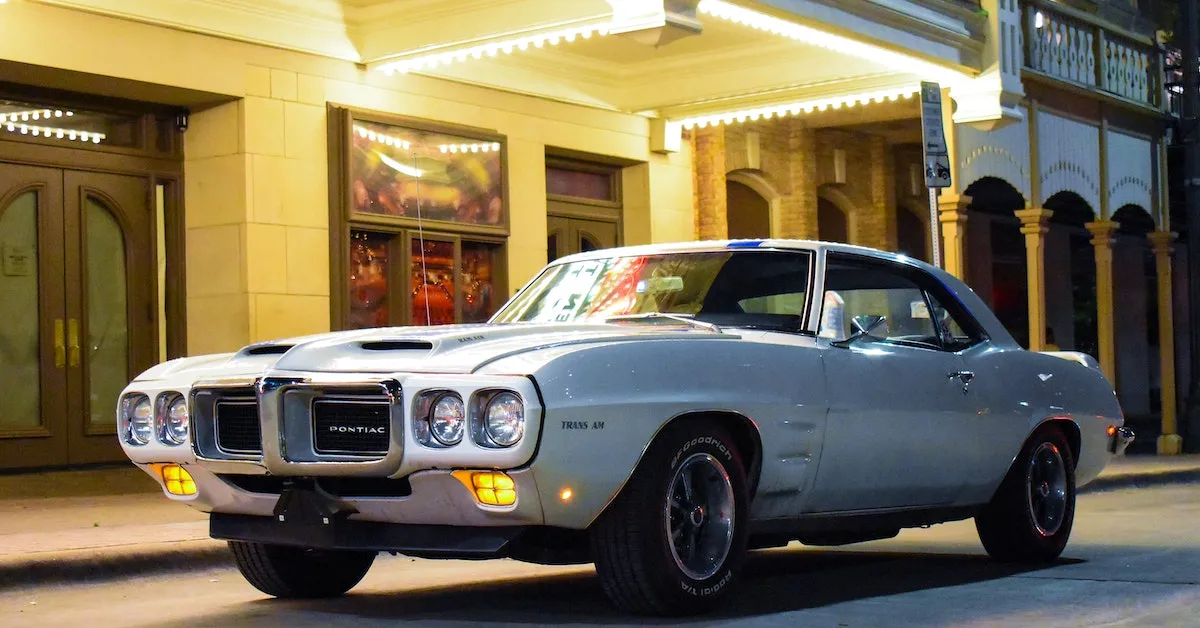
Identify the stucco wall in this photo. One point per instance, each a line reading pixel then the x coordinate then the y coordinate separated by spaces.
pixel 256 167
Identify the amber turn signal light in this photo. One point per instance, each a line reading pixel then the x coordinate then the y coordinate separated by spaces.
pixel 490 488
pixel 176 479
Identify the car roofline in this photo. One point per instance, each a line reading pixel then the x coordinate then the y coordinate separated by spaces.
pixel 709 246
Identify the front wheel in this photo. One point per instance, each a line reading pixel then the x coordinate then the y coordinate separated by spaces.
pixel 1030 517
pixel 674 539
pixel 296 572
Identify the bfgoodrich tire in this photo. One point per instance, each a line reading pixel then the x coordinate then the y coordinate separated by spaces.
pixel 1030 517
pixel 674 539
pixel 295 572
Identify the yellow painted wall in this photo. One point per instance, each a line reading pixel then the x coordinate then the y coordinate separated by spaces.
pixel 256 188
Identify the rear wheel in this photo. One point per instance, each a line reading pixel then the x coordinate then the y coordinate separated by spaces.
pixel 1030 517
pixel 296 572
pixel 674 539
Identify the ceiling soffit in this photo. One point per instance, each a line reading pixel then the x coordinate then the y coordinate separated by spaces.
pixel 735 63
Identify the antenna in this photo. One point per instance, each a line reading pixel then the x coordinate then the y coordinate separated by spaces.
pixel 421 237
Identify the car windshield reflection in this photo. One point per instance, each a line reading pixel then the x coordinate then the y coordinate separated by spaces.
pixel 747 289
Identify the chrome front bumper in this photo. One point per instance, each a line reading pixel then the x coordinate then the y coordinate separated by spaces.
pixel 432 497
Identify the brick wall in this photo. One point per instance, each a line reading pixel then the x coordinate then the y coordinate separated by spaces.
pixel 799 163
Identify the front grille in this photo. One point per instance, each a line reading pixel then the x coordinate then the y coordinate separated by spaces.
pixel 351 427
pixel 238 430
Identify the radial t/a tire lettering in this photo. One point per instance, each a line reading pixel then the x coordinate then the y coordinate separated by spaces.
pixel 674 539
pixel 1029 519
pixel 295 572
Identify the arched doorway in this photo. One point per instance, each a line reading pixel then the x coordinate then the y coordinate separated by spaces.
pixel 912 233
pixel 832 223
pixel 995 252
pixel 1135 313
pixel 748 214
pixel 1071 275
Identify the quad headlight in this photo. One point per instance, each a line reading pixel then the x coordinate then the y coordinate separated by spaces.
pixel 495 419
pixel 448 419
pixel 171 419
pixel 504 419
pixel 136 416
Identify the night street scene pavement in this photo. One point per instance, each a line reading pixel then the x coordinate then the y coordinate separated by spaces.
pixel 1132 561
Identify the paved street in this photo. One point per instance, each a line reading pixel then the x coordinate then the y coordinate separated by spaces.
pixel 1134 560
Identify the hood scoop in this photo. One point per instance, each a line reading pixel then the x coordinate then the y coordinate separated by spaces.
pixel 267 349
pixel 397 345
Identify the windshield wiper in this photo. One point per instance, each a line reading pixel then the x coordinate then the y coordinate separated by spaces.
pixel 683 318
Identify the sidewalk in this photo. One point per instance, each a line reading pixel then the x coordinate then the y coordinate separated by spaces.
pixel 95 524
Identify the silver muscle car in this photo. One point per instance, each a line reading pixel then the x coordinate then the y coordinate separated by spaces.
pixel 656 410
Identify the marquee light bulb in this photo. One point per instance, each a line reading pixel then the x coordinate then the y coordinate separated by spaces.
pixel 795 108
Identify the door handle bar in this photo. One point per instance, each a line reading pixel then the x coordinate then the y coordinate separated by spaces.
pixel 60 349
pixel 73 340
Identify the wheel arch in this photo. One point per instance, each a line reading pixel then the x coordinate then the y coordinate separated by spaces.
pixel 1069 428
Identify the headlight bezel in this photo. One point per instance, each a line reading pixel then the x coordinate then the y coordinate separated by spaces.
pixel 423 419
pixel 128 407
pixel 167 402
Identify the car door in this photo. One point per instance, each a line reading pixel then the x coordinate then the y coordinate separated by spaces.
pixel 899 397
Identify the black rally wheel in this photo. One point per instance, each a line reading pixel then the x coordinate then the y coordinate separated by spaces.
pixel 1030 517
pixel 296 572
pixel 673 541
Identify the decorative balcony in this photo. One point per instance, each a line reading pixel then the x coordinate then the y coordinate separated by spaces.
pixel 1074 47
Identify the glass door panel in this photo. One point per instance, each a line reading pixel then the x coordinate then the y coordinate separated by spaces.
pixel 433 293
pixel 107 348
pixel 20 364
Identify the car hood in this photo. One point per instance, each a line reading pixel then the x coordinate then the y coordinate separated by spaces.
pixel 439 349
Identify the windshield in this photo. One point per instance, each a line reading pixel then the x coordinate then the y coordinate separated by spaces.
pixel 761 289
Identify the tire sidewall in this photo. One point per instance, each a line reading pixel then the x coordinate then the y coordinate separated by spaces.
pixel 681 447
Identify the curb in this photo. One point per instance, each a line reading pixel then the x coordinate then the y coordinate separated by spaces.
pixel 99 564
pixel 1141 479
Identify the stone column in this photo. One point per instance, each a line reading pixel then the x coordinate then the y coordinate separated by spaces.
pixel 1034 226
pixel 1102 240
pixel 709 160
pixel 952 219
pixel 1170 443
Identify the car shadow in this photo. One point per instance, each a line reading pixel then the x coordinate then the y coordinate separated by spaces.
pixel 770 584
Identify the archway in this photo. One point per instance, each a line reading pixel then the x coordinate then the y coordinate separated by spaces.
pixel 1135 314
pixel 995 253
pixel 1071 275
pixel 912 232
pixel 748 214
pixel 835 215
pixel 832 223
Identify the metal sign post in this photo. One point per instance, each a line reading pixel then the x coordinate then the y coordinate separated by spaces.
pixel 937 158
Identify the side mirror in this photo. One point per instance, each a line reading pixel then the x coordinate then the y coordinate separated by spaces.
pixel 863 326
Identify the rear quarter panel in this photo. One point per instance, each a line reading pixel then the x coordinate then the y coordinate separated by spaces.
pixel 1017 391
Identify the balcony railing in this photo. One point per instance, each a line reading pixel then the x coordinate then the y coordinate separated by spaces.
pixel 1071 46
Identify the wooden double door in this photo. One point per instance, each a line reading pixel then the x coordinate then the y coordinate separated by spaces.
pixel 78 310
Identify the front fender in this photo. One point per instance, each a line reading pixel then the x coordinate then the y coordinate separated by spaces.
pixel 605 404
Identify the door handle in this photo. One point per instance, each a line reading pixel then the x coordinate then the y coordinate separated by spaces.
pixel 60 349
pixel 964 376
pixel 73 340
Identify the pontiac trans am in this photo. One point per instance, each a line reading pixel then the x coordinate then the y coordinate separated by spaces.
pixel 658 411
